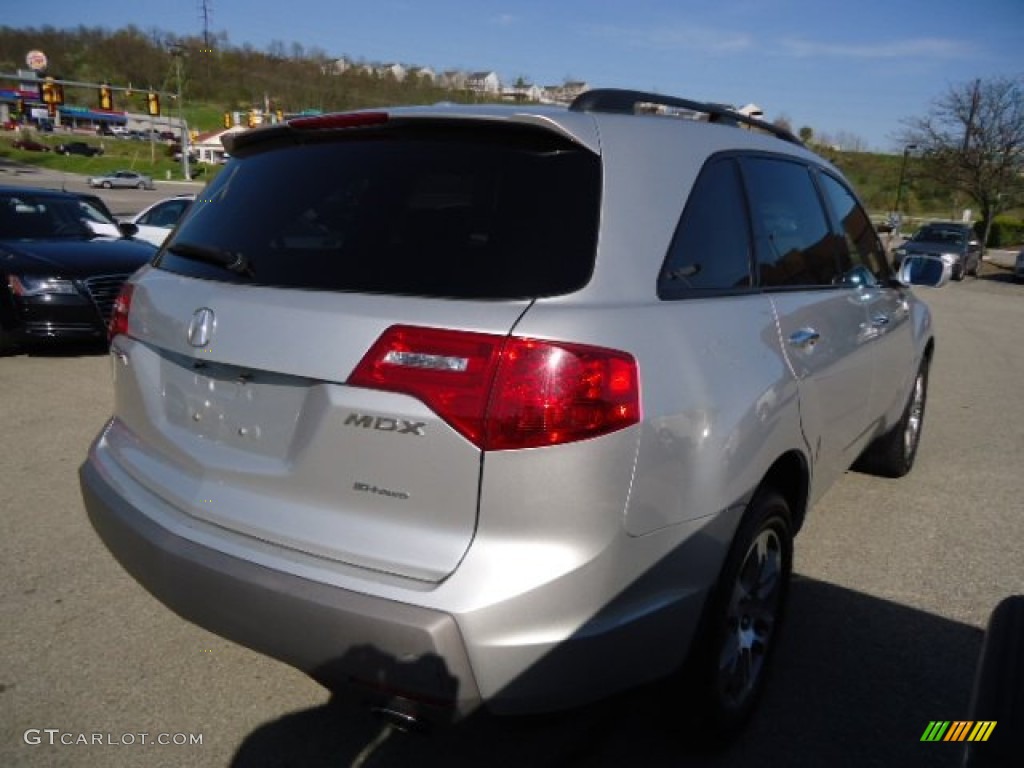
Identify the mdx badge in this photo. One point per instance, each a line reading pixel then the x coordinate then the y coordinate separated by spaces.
pixel 386 424
pixel 201 327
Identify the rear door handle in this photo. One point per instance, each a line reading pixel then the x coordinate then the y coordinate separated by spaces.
pixel 880 321
pixel 805 338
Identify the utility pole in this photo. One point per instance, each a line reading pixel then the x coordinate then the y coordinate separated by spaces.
pixel 178 52
pixel 972 112
pixel 898 217
pixel 970 118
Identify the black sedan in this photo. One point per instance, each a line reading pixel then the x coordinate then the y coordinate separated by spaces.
pixel 58 278
pixel 79 148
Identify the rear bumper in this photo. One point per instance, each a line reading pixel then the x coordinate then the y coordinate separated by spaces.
pixel 495 633
pixel 417 655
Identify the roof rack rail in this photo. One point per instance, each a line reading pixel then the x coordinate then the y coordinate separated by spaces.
pixel 625 102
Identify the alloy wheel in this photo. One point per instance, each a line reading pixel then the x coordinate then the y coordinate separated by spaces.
pixel 751 617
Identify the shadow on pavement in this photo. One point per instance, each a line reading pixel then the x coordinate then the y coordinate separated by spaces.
pixel 997 275
pixel 62 349
pixel 856 681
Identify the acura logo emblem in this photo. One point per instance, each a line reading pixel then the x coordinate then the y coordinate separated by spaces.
pixel 201 327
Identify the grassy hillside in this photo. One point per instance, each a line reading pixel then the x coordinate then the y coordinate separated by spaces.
pixel 144 157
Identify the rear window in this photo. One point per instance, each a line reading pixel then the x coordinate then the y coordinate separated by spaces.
pixel 481 212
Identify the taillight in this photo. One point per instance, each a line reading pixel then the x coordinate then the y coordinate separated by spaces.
pixel 506 392
pixel 119 315
pixel 549 393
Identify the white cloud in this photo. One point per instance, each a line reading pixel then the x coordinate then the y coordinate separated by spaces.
pixel 931 48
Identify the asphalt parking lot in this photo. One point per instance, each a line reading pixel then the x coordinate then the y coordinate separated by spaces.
pixel 895 580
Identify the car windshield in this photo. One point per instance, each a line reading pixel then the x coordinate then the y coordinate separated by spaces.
pixel 91 213
pixel 934 235
pixel 27 217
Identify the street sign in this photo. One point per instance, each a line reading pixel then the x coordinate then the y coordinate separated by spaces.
pixel 36 60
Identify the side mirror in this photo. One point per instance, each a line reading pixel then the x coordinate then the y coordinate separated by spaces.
pixel 922 269
pixel 128 229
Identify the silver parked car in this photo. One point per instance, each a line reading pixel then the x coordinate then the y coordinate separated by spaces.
pixel 122 179
pixel 506 406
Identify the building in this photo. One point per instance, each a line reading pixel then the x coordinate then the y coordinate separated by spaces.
pixel 483 82
pixel 209 148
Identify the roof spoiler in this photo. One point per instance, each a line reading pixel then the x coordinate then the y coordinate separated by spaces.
pixel 626 102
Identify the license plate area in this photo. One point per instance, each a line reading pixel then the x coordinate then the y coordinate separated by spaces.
pixel 249 410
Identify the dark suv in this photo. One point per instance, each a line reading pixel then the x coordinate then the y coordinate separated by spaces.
pixel 952 241
pixel 513 406
pixel 79 148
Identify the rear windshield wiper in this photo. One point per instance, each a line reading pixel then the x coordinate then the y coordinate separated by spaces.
pixel 235 261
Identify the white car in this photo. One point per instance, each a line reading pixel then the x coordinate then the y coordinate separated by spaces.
pixel 156 222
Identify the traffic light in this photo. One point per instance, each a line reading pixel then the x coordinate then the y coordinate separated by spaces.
pixel 153 103
pixel 53 95
pixel 227 119
pixel 106 98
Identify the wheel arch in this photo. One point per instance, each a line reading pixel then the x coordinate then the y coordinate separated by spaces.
pixel 929 350
pixel 8 316
pixel 789 475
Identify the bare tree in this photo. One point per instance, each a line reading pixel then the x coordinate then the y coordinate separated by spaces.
pixel 783 122
pixel 973 139
pixel 850 142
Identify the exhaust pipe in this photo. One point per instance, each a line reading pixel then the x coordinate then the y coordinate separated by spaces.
pixel 402 715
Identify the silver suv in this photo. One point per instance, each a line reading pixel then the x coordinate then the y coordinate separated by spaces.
pixel 520 407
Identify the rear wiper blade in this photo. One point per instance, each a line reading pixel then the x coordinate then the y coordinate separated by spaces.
pixel 235 261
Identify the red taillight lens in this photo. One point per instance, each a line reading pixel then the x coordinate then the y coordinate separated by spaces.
pixel 549 393
pixel 119 315
pixel 506 392
pixel 450 371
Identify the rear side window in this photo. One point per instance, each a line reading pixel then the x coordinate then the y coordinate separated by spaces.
pixel 795 247
pixel 863 250
pixel 710 252
pixel 481 212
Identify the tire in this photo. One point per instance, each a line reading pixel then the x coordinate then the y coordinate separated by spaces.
pixel 140 185
pixel 743 616
pixel 893 454
pixel 105 185
pixel 998 694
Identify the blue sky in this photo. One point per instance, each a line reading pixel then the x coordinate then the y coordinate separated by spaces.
pixel 858 67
